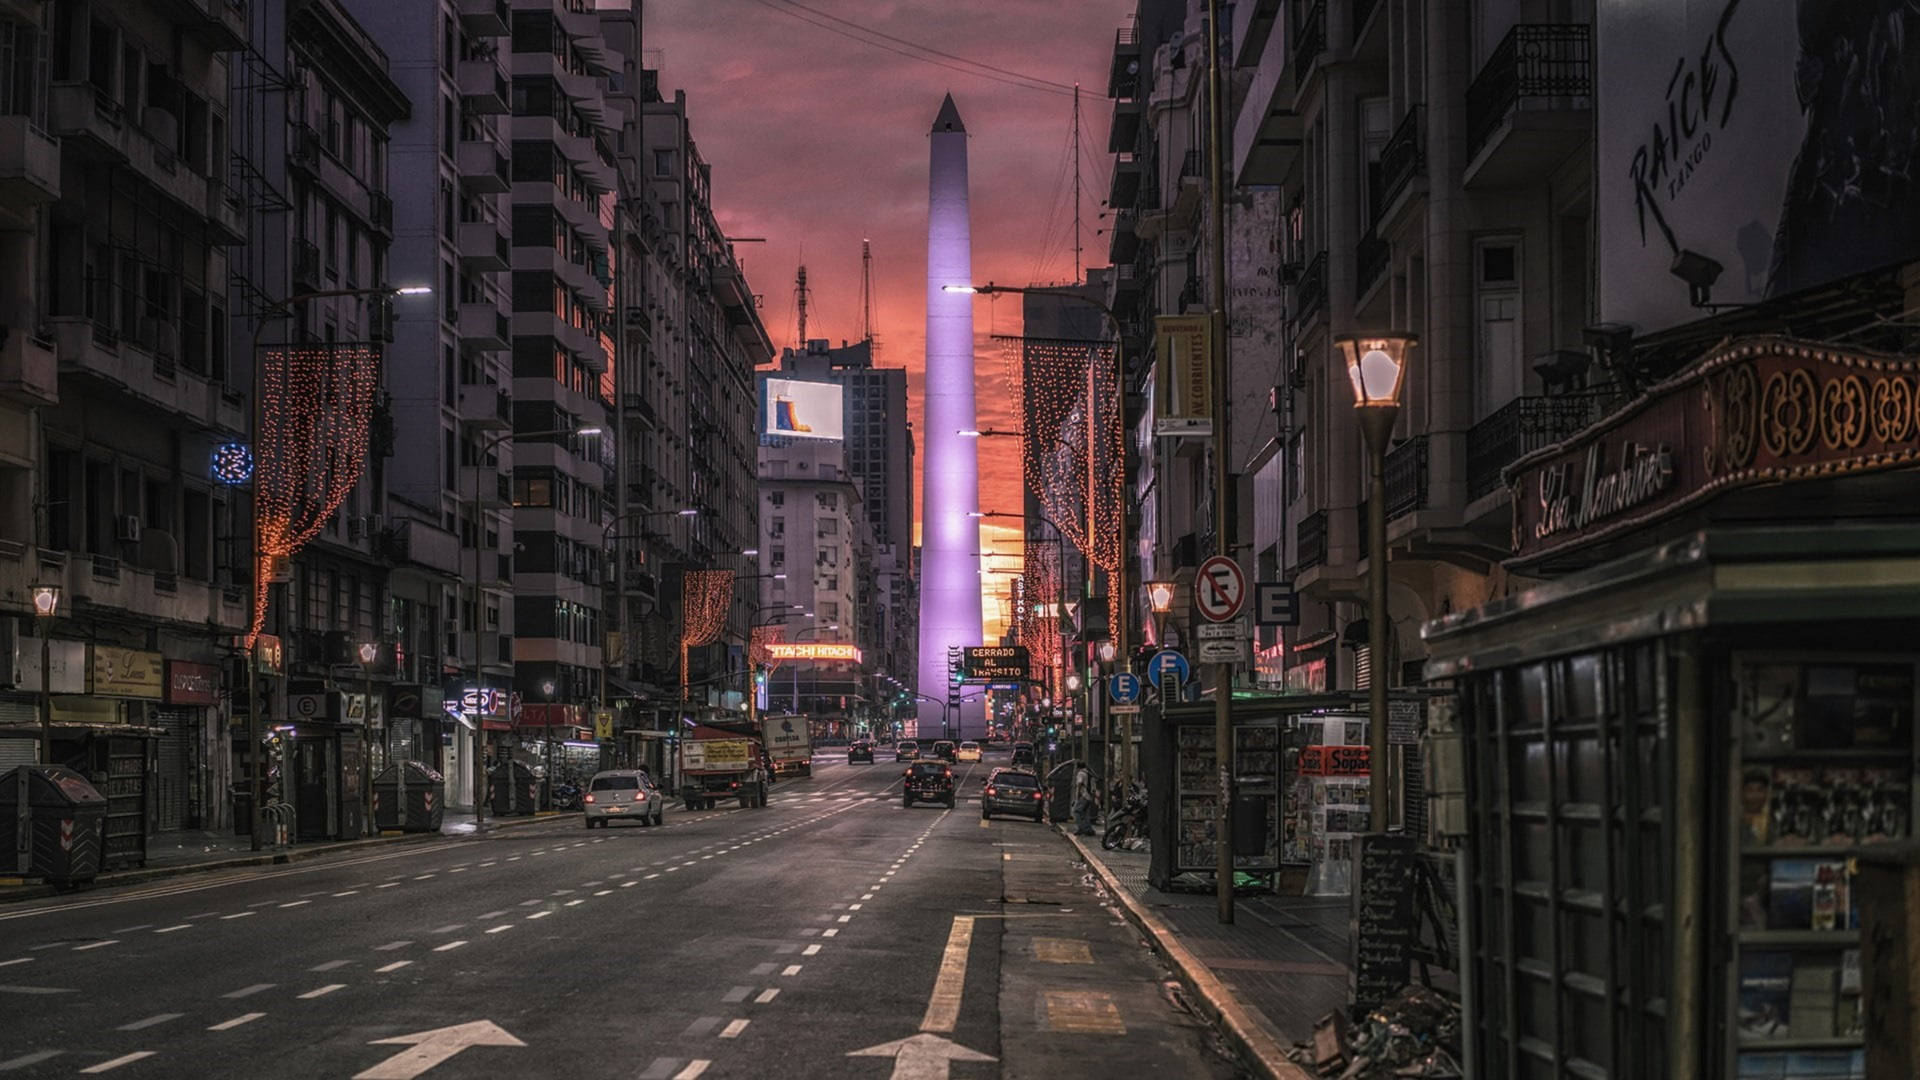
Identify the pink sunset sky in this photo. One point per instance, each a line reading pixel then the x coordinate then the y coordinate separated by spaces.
pixel 818 141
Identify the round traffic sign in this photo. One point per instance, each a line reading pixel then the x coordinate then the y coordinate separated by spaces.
pixel 1124 688
pixel 1168 664
pixel 1220 589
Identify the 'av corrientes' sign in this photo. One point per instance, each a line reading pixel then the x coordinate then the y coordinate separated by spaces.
pixel 1754 411
pixel 994 663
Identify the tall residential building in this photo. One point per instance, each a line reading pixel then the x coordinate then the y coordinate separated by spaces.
pixel 879 455
pixel 445 524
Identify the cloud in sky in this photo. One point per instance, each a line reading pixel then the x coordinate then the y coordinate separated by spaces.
pixel 817 142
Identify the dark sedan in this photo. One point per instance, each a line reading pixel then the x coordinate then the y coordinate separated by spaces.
pixel 1012 791
pixel 860 751
pixel 929 781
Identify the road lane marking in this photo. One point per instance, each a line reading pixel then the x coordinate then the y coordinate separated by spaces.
pixel 631 884
pixel 603 892
pixel 330 965
pixel 736 995
pixel 835 932
pixel 846 918
pixel 766 996
pixel 501 928
pixel 449 946
pixel 295 903
pixel 701 1026
pixel 391 946
pixel 811 950
pixel 395 966
pixel 458 870
pixel 764 969
pixel 96 945
pixel 423 877
pixel 733 1029
pixel 349 892
pixel 449 928
pixel 322 991
pixel 649 877
pixel 531 903
pixel 388 885
pixel 670 870
pixel 151 1021
pixel 1061 951
pixel 492 914
pixel 853 907
pixel 790 970
pixel 25 1060
pixel 176 926
pixel 494 863
pixel 131 929
pixel 35 990
pixel 249 991
pixel 575 903
pixel 539 915
pixel 241 915
pixel 866 896
pixel 123 1059
pixel 694 1069
pixel 1081 1012
pixel 229 1025
pixel 943 1007
pixel 21 960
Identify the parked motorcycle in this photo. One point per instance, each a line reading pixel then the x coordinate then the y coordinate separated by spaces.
pixel 1128 821
pixel 566 797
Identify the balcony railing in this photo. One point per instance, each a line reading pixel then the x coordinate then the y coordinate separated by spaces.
pixel 1524 425
pixel 1310 541
pixel 1312 34
pixel 1403 157
pixel 1370 257
pixel 1311 293
pixel 1533 61
pixel 1406 481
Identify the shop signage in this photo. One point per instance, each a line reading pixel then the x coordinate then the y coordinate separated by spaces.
pixel 192 684
pixel 1755 411
pixel 269 655
pixel 1183 378
pixel 404 701
pixel 356 709
pixel 1385 878
pixel 1335 761
pixel 66 668
pixel 127 673
pixel 813 650
pixel 994 663
pixel 324 706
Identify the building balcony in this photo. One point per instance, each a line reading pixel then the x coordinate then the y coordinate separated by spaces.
pixel 306 265
pixel 1125 188
pixel 91 122
pixel 1530 106
pixel 487 483
pixel 417 543
pixel 1403 167
pixel 1123 130
pixel 1310 41
pixel 486 18
pixel 1267 131
pixel 1310 295
pixel 96 584
pixel 484 327
pixel 226 218
pixel 1253 24
pixel 1309 542
pixel 483 87
pixel 486 407
pixel 482 167
pixel 483 246
pixel 380 211
pixel 595 168
pixel 1407 476
pixel 141 362
pixel 1370 258
pixel 1123 242
pixel 1524 425
pixel 29 369
pixel 29 165
pixel 220 25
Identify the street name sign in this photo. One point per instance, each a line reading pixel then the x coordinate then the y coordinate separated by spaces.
pixel 1225 631
pixel 1227 651
pixel 1124 710
pixel 1276 604
pixel 1220 589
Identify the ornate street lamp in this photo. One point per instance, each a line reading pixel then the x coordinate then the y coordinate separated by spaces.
pixel 46 605
pixel 1377 368
pixel 1160 596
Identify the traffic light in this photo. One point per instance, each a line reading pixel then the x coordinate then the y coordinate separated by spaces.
pixel 759 679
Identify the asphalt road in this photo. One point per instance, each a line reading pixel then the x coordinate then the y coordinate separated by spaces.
pixel 775 942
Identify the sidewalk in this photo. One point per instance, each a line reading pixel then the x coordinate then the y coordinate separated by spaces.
pixel 1266 978
pixel 193 851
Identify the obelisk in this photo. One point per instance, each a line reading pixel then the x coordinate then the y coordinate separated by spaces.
pixel 949 531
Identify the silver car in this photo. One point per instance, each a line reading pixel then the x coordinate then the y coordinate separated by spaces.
pixel 623 793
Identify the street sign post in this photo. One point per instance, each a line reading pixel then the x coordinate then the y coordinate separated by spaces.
pixel 1223 651
pixel 1220 589
pixel 1168 664
pixel 1124 688
pixel 1276 604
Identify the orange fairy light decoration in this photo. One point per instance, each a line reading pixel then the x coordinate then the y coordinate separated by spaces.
pixel 1068 458
pixel 705 596
pixel 315 404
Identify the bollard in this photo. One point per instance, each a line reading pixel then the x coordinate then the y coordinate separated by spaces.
pixel 1888 889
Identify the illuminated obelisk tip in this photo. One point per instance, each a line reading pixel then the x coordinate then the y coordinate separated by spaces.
pixel 950 534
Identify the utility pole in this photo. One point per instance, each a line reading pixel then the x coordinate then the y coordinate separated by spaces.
pixel 1076 186
pixel 1222 480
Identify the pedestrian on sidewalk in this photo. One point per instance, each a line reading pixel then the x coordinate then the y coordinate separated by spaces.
pixel 1082 800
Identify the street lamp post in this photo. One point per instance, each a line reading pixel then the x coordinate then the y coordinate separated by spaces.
pixel 275 310
pixel 46 605
pixel 607 536
pixel 369 652
pixel 479 678
pixel 1122 619
pixel 1377 367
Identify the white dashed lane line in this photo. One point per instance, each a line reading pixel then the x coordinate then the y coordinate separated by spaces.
pixel 322 991
pixel 151 1021
pixel 229 1025
pixel 248 991
pixel 123 1059
pixel 395 966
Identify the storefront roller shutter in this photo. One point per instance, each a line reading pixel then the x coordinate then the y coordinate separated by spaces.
pixel 173 772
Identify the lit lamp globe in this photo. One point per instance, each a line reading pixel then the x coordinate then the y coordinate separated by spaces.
pixel 1160 595
pixel 369 652
pixel 1073 682
pixel 46 601
pixel 1376 366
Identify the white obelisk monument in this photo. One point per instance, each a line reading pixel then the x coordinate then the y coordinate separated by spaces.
pixel 949 533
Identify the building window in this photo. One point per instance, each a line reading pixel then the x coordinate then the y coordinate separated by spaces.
pixel 1498 339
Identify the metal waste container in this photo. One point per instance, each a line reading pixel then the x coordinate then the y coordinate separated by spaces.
pixel 55 822
pixel 512 789
pixel 409 796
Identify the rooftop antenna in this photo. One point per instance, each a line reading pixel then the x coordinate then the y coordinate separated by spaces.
pixel 866 290
pixel 800 305
pixel 1076 183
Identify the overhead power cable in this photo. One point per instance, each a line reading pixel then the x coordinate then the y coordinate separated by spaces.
pixel 923 54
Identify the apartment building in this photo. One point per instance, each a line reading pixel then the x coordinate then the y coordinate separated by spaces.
pixel 117 228
pixel 445 524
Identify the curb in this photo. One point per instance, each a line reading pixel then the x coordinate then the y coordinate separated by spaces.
pixel 1259 1043
pixel 143 875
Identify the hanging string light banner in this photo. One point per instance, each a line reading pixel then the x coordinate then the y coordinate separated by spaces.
pixel 1039 611
pixel 315 404
pixel 1070 458
pixel 705 596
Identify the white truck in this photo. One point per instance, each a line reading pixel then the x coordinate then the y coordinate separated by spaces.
pixel 718 764
pixel 789 744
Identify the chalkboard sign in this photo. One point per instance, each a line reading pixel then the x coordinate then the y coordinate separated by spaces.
pixel 1383 916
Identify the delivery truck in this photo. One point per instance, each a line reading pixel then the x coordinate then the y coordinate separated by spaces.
pixel 719 764
pixel 789 744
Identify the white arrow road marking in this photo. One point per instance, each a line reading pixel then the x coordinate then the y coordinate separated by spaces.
pixel 929 1056
pixel 425 1049
pixel 922 1057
